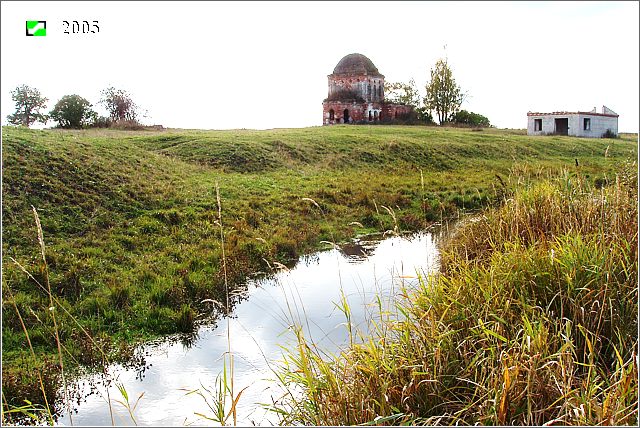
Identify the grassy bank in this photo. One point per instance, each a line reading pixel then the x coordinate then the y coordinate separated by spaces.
pixel 532 320
pixel 129 218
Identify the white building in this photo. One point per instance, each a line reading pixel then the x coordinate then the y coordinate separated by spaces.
pixel 577 124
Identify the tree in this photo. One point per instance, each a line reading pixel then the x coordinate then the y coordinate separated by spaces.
pixel 443 93
pixel 470 118
pixel 29 102
pixel 402 93
pixel 119 104
pixel 73 111
pixel 408 94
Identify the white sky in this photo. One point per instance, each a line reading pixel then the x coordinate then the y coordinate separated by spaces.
pixel 223 65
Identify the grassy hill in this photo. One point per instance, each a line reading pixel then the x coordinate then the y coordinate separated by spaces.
pixel 129 219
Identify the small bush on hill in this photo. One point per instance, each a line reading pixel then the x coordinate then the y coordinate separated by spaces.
pixel 131 125
pixel 468 118
pixel 101 122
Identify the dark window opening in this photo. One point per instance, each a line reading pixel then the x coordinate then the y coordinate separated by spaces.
pixel 396 114
pixel 332 115
pixel 587 124
pixel 345 115
pixel 537 124
pixel 370 116
pixel 375 116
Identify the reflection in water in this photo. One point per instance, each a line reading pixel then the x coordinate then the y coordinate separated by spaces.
pixel 259 328
pixel 357 251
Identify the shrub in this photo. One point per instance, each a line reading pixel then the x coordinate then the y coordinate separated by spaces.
pixel 101 122
pixel 468 118
pixel 127 124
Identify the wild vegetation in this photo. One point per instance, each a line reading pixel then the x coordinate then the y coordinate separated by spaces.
pixel 75 112
pixel 444 95
pixel 467 118
pixel 131 235
pixel 532 320
pixel 29 105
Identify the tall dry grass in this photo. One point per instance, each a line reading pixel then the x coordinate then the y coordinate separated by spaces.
pixel 531 321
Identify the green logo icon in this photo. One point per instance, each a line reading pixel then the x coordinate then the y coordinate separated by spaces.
pixel 36 28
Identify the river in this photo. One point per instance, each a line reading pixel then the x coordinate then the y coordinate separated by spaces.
pixel 259 328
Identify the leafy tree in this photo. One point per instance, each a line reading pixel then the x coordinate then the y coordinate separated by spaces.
pixel 464 117
pixel 443 93
pixel 29 102
pixel 119 104
pixel 73 111
pixel 408 94
pixel 402 93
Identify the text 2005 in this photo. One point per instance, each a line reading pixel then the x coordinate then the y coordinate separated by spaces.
pixel 80 27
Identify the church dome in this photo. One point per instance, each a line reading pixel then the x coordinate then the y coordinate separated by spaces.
pixel 355 63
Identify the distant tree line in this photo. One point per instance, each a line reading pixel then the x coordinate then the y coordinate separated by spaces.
pixel 443 97
pixel 74 111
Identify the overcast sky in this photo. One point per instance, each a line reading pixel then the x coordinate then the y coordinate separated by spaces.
pixel 222 65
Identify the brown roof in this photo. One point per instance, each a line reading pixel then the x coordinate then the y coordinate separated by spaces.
pixel 356 63
pixel 590 113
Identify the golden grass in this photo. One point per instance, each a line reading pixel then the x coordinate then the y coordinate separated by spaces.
pixel 532 321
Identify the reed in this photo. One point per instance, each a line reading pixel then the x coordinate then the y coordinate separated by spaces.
pixel 532 320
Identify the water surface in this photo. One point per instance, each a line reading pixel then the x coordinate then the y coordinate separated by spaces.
pixel 259 327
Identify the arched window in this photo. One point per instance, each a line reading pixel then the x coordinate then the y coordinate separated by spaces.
pixel 369 92
pixel 375 116
pixel 375 92
pixel 332 115
pixel 380 92
pixel 370 116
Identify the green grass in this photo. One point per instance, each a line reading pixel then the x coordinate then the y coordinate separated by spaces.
pixel 129 218
pixel 532 320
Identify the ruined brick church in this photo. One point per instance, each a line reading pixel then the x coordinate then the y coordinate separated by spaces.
pixel 356 94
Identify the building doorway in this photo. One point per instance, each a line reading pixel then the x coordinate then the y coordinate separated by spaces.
pixel 332 115
pixel 562 126
pixel 345 115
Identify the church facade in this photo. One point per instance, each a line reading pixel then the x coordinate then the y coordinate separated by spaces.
pixel 356 94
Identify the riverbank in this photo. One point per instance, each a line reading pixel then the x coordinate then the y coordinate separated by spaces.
pixel 532 320
pixel 131 232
